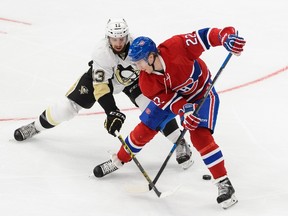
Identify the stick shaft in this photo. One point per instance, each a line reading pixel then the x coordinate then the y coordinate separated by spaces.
pixel 132 155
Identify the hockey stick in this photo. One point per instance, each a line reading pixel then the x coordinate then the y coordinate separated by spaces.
pixel 132 155
pixel 228 57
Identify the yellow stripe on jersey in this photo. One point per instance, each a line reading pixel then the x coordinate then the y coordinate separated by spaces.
pixel 100 90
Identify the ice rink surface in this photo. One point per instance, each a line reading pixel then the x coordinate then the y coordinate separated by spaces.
pixel 45 47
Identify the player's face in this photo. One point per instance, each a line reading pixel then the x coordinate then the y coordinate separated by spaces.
pixel 118 44
pixel 146 65
pixel 143 66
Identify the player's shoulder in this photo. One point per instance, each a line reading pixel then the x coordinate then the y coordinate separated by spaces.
pixel 172 42
pixel 101 48
pixel 102 53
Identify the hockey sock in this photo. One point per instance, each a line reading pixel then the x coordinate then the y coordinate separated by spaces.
pixel 210 152
pixel 135 141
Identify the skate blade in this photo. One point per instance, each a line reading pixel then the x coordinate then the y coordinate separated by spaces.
pixel 230 202
pixel 187 164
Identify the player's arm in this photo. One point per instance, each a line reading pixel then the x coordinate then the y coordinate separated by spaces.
pixel 227 37
pixel 115 118
pixel 103 90
pixel 198 41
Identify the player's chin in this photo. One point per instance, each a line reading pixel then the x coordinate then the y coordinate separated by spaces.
pixel 118 50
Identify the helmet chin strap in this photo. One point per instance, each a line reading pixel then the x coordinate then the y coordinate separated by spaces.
pixel 153 64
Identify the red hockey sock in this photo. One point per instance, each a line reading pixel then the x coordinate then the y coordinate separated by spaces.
pixel 136 140
pixel 210 152
pixel 123 155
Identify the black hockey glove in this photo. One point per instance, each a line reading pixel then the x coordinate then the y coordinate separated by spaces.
pixel 114 121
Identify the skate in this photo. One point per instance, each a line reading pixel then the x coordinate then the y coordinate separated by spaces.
pixel 25 132
pixel 108 167
pixel 184 154
pixel 226 193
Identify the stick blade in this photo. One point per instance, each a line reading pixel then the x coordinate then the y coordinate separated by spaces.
pixel 170 192
pixel 138 189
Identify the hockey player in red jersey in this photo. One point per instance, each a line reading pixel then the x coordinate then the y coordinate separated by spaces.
pixel 174 77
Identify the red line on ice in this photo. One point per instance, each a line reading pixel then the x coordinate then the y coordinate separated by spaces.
pixel 255 81
pixel 15 21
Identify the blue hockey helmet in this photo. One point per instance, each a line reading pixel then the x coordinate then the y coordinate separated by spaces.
pixel 141 47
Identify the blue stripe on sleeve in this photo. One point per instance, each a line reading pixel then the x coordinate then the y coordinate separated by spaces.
pixel 203 33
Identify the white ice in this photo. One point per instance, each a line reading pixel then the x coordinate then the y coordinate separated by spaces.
pixel 47 49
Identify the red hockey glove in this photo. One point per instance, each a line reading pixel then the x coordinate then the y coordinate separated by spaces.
pixel 189 121
pixel 231 41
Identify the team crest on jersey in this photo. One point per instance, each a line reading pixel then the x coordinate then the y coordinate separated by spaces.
pixel 126 75
pixel 147 110
pixel 83 90
pixel 188 87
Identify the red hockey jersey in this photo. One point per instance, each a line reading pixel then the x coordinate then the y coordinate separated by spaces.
pixel 185 76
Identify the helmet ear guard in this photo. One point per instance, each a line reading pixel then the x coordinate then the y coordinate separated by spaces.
pixel 141 48
pixel 117 28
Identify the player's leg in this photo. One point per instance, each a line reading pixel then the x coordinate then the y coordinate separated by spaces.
pixel 210 152
pixel 170 130
pixel 135 141
pixel 183 150
pixel 79 96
